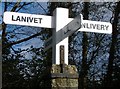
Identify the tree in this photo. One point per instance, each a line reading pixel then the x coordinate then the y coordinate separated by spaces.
pixel 113 49
pixel 22 71
pixel 97 48
pixel 84 69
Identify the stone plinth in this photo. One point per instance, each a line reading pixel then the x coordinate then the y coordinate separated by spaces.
pixel 65 79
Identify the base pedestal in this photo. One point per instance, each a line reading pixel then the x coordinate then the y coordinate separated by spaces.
pixel 64 77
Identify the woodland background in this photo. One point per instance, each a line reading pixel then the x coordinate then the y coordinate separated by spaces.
pixel 96 56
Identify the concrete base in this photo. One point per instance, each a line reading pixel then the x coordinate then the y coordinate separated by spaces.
pixel 67 79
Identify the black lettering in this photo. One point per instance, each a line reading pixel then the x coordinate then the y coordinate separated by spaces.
pixel 18 18
pixel 98 27
pixel 88 26
pixel 102 27
pixel 40 20
pixel 106 26
pixel 13 18
pixel 93 25
pixel 65 32
pixel 35 20
pixel 30 19
pixel 83 25
pixel 26 19
pixel 23 18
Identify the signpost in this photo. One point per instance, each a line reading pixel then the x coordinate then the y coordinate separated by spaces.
pixel 62 25
pixel 27 19
pixel 96 26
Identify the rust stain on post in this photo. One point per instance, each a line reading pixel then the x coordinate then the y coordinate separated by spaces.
pixel 62 58
pixel 62 54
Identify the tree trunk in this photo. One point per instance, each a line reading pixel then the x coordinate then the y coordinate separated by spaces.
pixel 112 52
pixel 83 78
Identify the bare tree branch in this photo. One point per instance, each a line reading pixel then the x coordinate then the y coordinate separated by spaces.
pixel 42 8
pixel 22 40
pixel 25 4
pixel 15 6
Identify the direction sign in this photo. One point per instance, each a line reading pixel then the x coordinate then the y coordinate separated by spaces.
pixel 66 31
pixel 27 19
pixel 69 29
pixel 96 26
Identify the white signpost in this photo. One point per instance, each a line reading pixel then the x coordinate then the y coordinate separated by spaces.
pixel 96 26
pixel 27 19
pixel 62 25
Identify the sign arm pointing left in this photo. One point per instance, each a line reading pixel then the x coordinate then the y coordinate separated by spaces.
pixel 28 19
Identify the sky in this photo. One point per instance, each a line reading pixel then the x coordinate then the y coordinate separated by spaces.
pixel 34 9
pixel 0 12
pixel 0 19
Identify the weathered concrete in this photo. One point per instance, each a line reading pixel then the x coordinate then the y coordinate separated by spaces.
pixel 66 80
